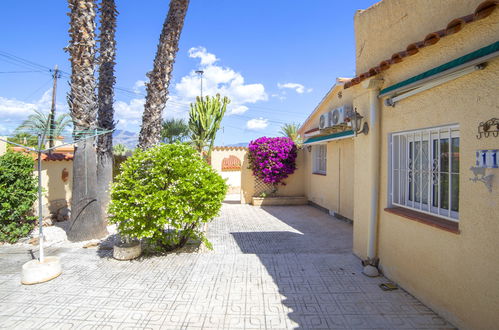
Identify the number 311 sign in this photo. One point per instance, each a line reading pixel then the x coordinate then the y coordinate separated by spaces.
pixel 487 158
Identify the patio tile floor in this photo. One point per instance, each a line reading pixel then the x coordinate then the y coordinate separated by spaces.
pixel 271 268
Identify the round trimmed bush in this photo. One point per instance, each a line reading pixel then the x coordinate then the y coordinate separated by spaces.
pixel 18 193
pixel 164 194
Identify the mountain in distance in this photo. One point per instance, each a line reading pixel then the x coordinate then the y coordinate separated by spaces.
pixel 241 144
pixel 129 139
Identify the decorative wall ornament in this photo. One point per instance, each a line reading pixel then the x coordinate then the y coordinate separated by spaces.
pixel 65 175
pixel 486 128
pixel 480 176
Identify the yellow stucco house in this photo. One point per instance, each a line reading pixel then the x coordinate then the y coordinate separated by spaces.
pixel 328 153
pixel 424 180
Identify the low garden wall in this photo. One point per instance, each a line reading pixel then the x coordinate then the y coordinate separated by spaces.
pixel 294 184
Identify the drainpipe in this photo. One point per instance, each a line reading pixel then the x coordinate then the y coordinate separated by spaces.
pixel 371 264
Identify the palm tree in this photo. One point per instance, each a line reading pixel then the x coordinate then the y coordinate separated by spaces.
pixel 159 77
pixel 86 216
pixel 205 117
pixel 25 139
pixel 37 124
pixel 174 130
pixel 105 95
pixel 120 150
pixel 291 131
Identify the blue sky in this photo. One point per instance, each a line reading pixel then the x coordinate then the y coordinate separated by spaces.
pixel 274 59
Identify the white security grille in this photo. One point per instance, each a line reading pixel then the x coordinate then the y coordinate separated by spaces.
pixel 320 158
pixel 425 171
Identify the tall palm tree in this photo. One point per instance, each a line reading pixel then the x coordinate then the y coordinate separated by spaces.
pixel 174 130
pixel 105 95
pixel 205 117
pixel 159 77
pixel 36 123
pixel 291 131
pixel 86 216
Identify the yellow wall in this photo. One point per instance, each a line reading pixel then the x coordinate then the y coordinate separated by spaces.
pixel 390 25
pixel 3 146
pixel 56 191
pixel 455 274
pixel 233 178
pixel 335 190
pixel 294 183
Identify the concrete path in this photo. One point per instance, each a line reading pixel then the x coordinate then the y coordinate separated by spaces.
pixel 271 268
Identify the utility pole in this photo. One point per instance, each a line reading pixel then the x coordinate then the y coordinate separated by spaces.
pixel 200 73
pixel 52 109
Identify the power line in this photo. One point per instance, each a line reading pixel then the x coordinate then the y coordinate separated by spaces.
pixel 13 59
pixel 20 71
pixel 37 90
pixel 23 61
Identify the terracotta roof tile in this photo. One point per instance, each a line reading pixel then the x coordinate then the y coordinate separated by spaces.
pixel 60 155
pixel 231 163
pixel 483 10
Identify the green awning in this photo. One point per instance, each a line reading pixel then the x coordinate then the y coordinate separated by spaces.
pixel 329 137
pixel 444 67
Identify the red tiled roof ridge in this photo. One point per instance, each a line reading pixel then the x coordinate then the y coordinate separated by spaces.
pixel 46 157
pixel 312 130
pixel 482 10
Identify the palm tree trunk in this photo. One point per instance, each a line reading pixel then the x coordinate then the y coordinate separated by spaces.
pixel 107 80
pixel 86 216
pixel 159 77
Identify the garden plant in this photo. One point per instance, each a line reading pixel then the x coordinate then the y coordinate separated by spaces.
pixel 164 195
pixel 18 191
pixel 272 159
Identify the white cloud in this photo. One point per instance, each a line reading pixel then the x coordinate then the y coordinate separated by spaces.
pixel 126 112
pixel 299 88
pixel 217 80
pixel 3 130
pixel 201 52
pixel 13 112
pixel 257 124
pixel 12 108
pixel 139 86
pixel 238 110
pixel 281 96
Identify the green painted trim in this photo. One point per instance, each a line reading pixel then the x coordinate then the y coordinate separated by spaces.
pixel 447 66
pixel 329 136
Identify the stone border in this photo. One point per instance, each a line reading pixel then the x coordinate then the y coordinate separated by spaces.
pixel 269 201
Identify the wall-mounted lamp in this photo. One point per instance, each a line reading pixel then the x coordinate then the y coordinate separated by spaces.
pixel 357 125
pixel 309 148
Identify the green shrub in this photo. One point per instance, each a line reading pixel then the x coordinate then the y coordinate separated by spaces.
pixel 164 194
pixel 18 192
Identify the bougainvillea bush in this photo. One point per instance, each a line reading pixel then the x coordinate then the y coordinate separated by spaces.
pixel 164 194
pixel 272 159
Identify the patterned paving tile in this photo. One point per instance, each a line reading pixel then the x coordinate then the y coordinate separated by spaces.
pixel 271 268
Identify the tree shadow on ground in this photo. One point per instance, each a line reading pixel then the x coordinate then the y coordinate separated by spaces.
pixel 310 268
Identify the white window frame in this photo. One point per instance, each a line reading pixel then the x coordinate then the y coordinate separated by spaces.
pixel 402 174
pixel 320 159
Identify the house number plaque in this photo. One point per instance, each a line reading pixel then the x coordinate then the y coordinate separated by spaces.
pixel 487 159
